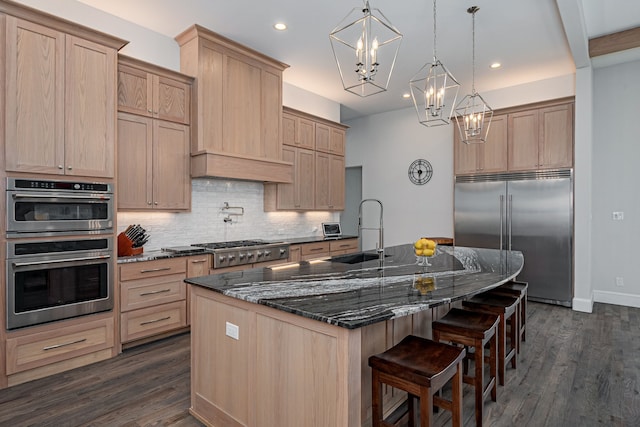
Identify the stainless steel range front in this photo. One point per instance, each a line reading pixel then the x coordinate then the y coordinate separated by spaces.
pixel 242 252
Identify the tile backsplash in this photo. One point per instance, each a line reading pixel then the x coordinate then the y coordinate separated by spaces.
pixel 205 222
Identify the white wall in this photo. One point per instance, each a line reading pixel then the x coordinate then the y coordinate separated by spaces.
pixel 205 221
pixel 386 144
pixel 616 152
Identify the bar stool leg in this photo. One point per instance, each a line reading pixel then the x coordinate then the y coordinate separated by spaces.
pixel 502 345
pixel 479 375
pixel 376 399
pixel 456 397
pixel 426 407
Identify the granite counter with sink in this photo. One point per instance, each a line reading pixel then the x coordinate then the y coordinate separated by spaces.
pixel 289 344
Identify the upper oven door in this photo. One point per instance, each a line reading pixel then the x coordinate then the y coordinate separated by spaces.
pixel 37 212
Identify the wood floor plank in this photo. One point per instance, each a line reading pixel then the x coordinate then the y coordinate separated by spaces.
pixel 575 369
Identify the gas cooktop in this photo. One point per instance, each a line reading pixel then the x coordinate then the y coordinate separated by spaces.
pixel 242 252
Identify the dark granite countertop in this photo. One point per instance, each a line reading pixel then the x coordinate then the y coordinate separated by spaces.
pixel 353 295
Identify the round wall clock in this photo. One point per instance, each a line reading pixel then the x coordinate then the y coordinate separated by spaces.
pixel 420 171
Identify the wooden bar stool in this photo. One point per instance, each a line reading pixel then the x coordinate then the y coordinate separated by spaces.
pixel 473 329
pixel 517 290
pixel 506 308
pixel 420 367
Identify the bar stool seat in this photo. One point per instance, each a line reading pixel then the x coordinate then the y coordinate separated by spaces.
pixel 517 288
pixel 421 367
pixel 506 308
pixel 473 329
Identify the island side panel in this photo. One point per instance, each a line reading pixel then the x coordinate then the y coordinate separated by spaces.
pixel 284 370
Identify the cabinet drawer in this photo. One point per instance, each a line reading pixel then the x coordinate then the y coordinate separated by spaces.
pixel 344 245
pixel 39 349
pixel 153 291
pixel 160 267
pixel 153 320
pixel 319 249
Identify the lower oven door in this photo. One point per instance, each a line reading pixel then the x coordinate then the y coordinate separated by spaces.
pixel 55 286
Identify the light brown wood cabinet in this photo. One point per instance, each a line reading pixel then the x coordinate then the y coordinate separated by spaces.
pixel 60 112
pixel 298 131
pixel 44 350
pixel 321 249
pixel 153 164
pixel 151 91
pixel 238 113
pixel 318 182
pixel 152 298
pixel 532 137
pixel 483 158
pixel 541 138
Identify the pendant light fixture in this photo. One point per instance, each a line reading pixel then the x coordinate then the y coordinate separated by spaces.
pixel 433 89
pixel 473 115
pixel 365 45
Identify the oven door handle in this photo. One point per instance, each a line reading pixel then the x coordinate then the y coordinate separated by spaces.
pixel 57 261
pixel 51 196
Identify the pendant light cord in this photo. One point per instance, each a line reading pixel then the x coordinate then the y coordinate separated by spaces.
pixel 472 10
pixel 434 32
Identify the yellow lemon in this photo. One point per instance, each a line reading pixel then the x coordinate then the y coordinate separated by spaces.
pixel 419 252
pixel 431 244
pixel 424 242
pixel 427 252
pixel 418 244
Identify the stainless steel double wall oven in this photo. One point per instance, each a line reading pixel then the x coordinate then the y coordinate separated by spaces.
pixel 59 250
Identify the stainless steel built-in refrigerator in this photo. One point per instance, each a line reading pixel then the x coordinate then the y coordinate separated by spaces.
pixel 531 212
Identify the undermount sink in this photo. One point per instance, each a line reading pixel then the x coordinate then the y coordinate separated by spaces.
pixel 355 258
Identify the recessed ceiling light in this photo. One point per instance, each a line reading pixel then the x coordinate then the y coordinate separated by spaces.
pixel 496 65
pixel 406 95
pixel 280 26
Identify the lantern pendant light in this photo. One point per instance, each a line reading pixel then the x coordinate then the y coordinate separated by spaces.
pixel 433 89
pixel 473 115
pixel 365 47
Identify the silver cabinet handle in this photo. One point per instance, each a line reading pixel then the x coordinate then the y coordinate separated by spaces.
pixel 161 291
pixel 152 270
pixel 155 321
pixel 198 261
pixel 510 218
pixel 53 347
pixel 69 196
pixel 57 261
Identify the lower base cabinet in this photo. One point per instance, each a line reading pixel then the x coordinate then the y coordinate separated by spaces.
pixel 42 351
pixel 325 248
pixel 145 322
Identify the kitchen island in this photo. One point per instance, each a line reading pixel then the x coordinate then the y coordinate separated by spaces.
pixel 289 345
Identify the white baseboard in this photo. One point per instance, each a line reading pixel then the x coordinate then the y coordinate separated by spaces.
pixel 617 298
pixel 582 304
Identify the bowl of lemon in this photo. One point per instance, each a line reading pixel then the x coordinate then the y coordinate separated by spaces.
pixel 424 249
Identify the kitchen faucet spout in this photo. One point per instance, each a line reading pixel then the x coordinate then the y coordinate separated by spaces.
pixel 380 228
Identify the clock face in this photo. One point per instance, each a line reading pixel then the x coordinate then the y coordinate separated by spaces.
pixel 420 172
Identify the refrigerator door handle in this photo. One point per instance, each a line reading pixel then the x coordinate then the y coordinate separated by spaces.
pixel 509 218
pixel 501 221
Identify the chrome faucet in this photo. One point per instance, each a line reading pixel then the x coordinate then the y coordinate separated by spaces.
pixel 380 244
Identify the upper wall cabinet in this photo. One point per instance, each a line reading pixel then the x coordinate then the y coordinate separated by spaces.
pixel 60 96
pixel 237 130
pixel 319 175
pixel 524 138
pixel 154 92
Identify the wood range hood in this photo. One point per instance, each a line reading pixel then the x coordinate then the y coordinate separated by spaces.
pixel 237 109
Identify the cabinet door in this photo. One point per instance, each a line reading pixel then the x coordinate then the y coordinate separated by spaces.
pixel 34 98
pixel 523 140
pixel 494 150
pixel 171 176
pixel 336 182
pixel 323 167
pixel 556 136
pixel 286 193
pixel 465 155
pixel 323 137
pixel 171 100
pixel 198 265
pixel 337 141
pixel 90 116
pixel 210 119
pixel 305 179
pixel 135 136
pixel 306 133
pixel 135 91
pixel 289 129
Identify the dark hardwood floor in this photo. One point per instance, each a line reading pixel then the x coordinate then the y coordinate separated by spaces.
pixel 575 369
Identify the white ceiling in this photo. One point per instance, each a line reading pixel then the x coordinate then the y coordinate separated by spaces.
pixel 527 37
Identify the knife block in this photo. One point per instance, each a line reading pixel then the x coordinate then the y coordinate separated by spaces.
pixel 125 246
